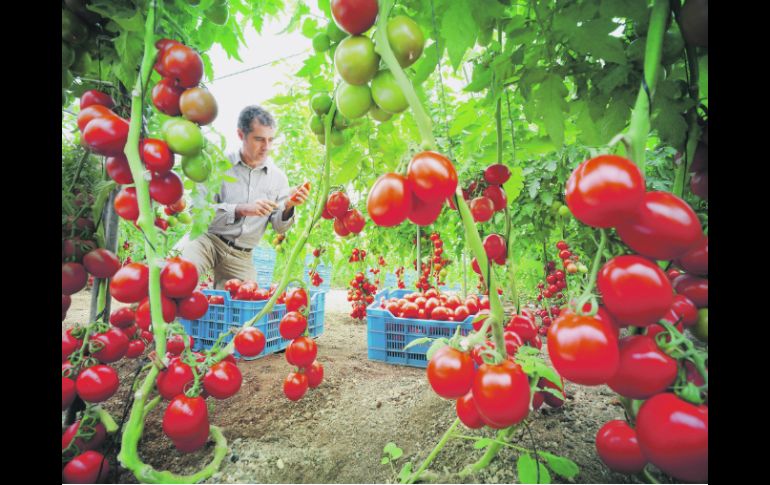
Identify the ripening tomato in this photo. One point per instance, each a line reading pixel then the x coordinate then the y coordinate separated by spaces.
pixel 87 467
pixel 482 209
pixel 354 221
pixel 634 290
pixel 296 300
pixel 178 278
pixel 295 386
pixel 406 39
pixel 193 307
pixel 432 176
pixel 90 113
pixel 424 213
pixel 101 263
pixel 174 379
pixel 165 96
pixel 357 61
pixel 182 64
pixel 582 349
pixel 497 196
pixel 315 374
pixel 94 97
pixel 118 169
pixel 618 447
pixel 664 227
pixel 644 369
pixel 73 278
pixel 249 342
pixel 198 106
pixel 126 204
pixel 605 191
pixel 130 283
pixel 673 436
pixel 696 259
pixel 143 316
pixel 156 155
pixel 497 174
pixel 292 325
pixel 222 380
pixel 301 352
pixel 694 288
pixel 97 383
pixel 115 345
pixel 501 394
pixel 338 204
pixel 467 412
pixel 354 16
pixel 185 417
pixel 450 372
pixel 166 188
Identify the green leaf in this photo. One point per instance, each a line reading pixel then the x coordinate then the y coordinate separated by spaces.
pixel 438 344
pixel 300 11
pixel 385 460
pixel 459 30
pixel 482 77
pixel 464 116
pixel 551 106
pixel 312 66
pixel 406 472
pixel 128 19
pixel 310 28
pixel 527 468
pixel 616 76
pixel 514 184
pixel 285 99
pixel 425 65
pixel 482 443
pixel 561 466
pixel 396 453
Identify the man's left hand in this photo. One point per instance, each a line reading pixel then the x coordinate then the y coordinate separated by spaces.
pixel 299 196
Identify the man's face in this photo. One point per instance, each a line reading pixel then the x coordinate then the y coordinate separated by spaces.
pixel 257 143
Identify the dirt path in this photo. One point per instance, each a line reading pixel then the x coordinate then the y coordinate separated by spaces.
pixel 336 432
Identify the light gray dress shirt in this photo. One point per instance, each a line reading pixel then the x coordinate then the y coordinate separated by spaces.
pixel 264 182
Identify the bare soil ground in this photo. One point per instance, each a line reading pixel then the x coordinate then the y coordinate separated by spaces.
pixel 336 433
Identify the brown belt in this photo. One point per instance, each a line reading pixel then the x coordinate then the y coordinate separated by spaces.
pixel 232 244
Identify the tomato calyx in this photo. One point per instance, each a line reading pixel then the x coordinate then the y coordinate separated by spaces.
pixel 676 345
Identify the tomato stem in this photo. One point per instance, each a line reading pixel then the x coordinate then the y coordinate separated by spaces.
pixel 648 476
pixel 443 441
pixel 106 419
pixel 382 47
pixel 492 449
pixel 594 271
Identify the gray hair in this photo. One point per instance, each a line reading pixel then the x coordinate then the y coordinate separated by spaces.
pixel 251 113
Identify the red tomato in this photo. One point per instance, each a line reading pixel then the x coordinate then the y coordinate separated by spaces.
pixel 644 369
pixel 634 290
pixel 130 283
pixel 166 188
pixel 337 204
pixel 512 342
pixel 432 177
pixel 193 307
pixel 482 209
pixel 605 191
pixel 115 345
pixel 98 434
pixel 162 45
pixel 497 174
pixel 301 352
pixel 73 278
pixel 673 436
pixel 296 300
pixel 523 326
pixel 97 383
pixel 143 316
pixel 295 386
pixel 107 135
pixel 88 467
pixel 90 113
pixel 495 246
pixel 185 417
pixel 550 399
pixel 126 204
pixel 424 213
pixel 461 313
pixel 618 448
pixel 174 380
pixel 182 64
pixel 450 372
pixel 467 412
pixel 501 394
pixel 135 349
pixel 94 97
pixel 390 200
pixel 696 259
pixel 118 169
pixel 178 278
pixel 250 342
pixel 192 444
pixel 582 349
pixel 165 96
pixel 664 227
pixel 339 228
pixel 409 310
pixel 67 392
pixel 694 288
pixel 440 313
pixel 684 307
pixel 292 325
pixel 699 184
pixel 497 196
pixel 354 221
pixel 354 16
pixel 222 380
pixel 69 344
pixel 175 344
pixel 101 263
pixel 472 305
pixel 156 155
pixel 315 374
pixel 232 286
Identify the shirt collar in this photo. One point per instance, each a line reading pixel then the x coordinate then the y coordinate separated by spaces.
pixel 266 166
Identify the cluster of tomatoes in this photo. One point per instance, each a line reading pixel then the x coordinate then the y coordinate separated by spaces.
pixel 321 104
pixel 419 196
pixel 360 294
pixel 302 350
pixel 585 345
pixel 247 290
pixel 486 394
pixel 432 304
pixel 486 194
pixel 365 88
pixel 400 277
pixel 315 278
pixel 346 220
pixel 436 266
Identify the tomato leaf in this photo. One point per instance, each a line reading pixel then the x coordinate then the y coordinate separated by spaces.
pixel 459 30
pixel 406 472
pixel 482 443
pixel 310 28
pixel 385 460
pixel 527 469
pixel 560 465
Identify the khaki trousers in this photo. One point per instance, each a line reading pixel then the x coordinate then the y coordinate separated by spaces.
pixel 209 252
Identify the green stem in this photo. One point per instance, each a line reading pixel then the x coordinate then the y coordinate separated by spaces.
pixel 109 423
pixel 433 454
pixel 101 299
pixel 648 476
pixel 510 263
pixel 640 116
pixel 489 455
pixel 499 103
pixel 595 267
pixel 81 163
pixel 382 47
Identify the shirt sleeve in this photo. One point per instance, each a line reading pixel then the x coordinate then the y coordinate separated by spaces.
pixel 225 212
pixel 276 217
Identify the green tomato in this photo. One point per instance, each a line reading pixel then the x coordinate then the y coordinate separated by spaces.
pixel 321 139
pixel 218 13
pixel 337 138
pixel 317 125
pixel 379 114
pixel 172 221
pixel 183 137
pixel 67 55
pixel 442 274
pixel 184 217
pixel 701 329
pixel 73 30
pixel 406 39
pixel 564 211
pixel 340 122
pixel 356 60
pixel 582 268
pixel 556 206
pixel 335 33
pixel 321 103
pixel 196 168
pixel 673 47
pixel 321 42
pixel 353 101
pixel 387 94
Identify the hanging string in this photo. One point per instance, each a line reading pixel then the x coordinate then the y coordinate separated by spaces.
pixel 441 82
pixel 261 65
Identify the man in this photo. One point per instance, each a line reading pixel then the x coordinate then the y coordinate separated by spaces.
pixel 259 196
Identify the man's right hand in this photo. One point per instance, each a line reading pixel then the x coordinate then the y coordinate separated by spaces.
pixel 259 208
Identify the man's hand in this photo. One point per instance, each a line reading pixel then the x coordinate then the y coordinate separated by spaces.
pixel 299 196
pixel 259 208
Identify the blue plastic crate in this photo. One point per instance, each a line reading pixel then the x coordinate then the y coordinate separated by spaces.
pixel 264 262
pixel 387 335
pixel 234 313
